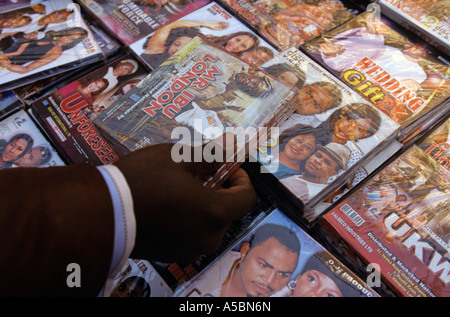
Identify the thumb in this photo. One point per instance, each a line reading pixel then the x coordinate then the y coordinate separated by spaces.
pixel 239 197
pixel 210 157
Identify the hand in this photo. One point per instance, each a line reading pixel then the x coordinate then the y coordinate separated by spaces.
pixel 179 219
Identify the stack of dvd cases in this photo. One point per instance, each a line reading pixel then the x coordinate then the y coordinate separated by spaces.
pixel 338 110
pixel 330 143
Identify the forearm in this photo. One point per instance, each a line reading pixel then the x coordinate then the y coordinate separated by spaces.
pixel 52 217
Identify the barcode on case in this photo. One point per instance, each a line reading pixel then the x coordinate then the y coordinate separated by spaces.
pixel 352 214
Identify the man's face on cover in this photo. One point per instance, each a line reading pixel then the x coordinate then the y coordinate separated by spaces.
pixel 267 267
pixel 32 158
pixel 252 81
pixel 321 165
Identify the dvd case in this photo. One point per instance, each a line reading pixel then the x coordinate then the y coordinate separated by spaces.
pixel 427 123
pixel 199 94
pixel 67 113
pixel 276 258
pixel 211 21
pixel 331 122
pixel 291 23
pixel 43 40
pixel 400 74
pixel 130 20
pixel 399 220
pixel 427 19
pixel 24 145
pixel 138 278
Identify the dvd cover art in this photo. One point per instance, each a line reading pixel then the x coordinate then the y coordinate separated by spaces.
pixel 399 220
pixel 403 76
pixel 211 21
pixel 437 143
pixel 24 145
pixel 67 113
pixel 138 278
pixel 202 90
pixel 429 19
pixel 276 258
pixel 106 43
pixel 43 39
pixel 130 20
pixel 291 23
pixel 427 123
pixel 331 133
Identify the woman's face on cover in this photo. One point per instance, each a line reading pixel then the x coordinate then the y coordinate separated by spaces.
pixel 300 147
pixel 178 43
pixel 240 43
pixel 14 149
pixel 313 283
pixel 346 129
pixel 96 85
pixel 313 100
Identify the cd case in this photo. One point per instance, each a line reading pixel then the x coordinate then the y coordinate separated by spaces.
pixel 291 23
pixel 130 20
pixel 212 22
pixel 42 40
pixel 323 147
pixel 276 258
pixel 399 220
